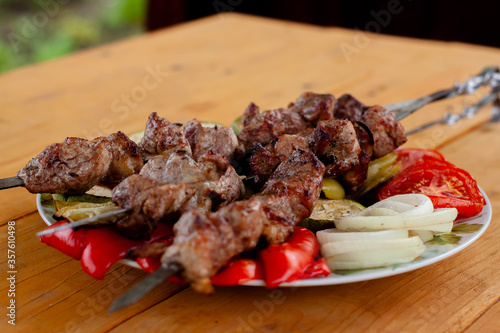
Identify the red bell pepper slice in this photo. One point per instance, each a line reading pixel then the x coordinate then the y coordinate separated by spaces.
pixel 289 261
pixel 67 241
pixel 319 268
pixel 97 249
pixel 239 271
pixel 105 247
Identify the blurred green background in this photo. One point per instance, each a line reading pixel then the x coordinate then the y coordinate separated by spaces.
pixel 36 30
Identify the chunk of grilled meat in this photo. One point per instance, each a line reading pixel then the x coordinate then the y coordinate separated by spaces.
pixel 379 134
pixel 314 107
pixel 348 107
pixel 179 167
pixel 337 146
pixel 162 138
pixel 386 132
pixel 73 166
pixel 290 194
pixel 204 242
pixel 216 182
pixel 263 127
pixel 150 201
pixel 126 158
pixel 265 159
pixel 219 140
pixel 334 142
pixel 205 185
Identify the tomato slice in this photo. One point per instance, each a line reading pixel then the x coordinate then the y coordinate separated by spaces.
pixel 409 156
pixel 446 185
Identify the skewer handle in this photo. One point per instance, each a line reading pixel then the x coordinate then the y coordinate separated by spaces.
pixel 489 76
pixel 83 222
pixel 144 286
pixel 11 182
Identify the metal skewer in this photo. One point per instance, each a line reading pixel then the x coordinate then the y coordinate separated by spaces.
pixel 86 221
pixel 11 182
pixel 489 76
pixel 144 286
pixel 467 112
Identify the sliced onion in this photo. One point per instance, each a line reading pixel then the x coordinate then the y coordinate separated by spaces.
pixel 405 204
pixel 378 257
pixel 436 228
pixel 439 216
pixel 332 249
pixel 336 235
pixel 425 235
pixel 381 211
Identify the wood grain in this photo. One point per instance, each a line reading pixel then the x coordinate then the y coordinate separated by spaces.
pixel 211 69
pixel 214 75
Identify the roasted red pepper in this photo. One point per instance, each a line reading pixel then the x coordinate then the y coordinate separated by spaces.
pixel 319 268
pixel 149 264
pixel 99 248
pixel 152 263
pixel 238 271
pixel 290 260
pixel 295 260
pixel 105 247
pixel 67 241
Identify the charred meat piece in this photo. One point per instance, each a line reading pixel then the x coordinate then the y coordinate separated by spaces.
pixel 380 125
pixel 290 194
pixel 215 181
pixel 228 188
pixel 162 138
pixel 204 242
pixel 150 201
pixel 126 157
pixel 265 159
pixel 218 139
pixel 73 166
pixel 263 127
pixel 337 146
pixel 387 133
pixel 178 167
pixel 348 107
pixel 314 107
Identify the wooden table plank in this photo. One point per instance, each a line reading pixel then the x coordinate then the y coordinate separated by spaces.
pixel 52 285
pixel 182 74
pixel 211 69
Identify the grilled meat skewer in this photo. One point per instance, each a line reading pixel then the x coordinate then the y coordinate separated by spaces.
pixel 167 187
pixel 73 166
pixel 343 133
pixel 335 143
pixel 76 165
pixel 310 109
pixel 205 242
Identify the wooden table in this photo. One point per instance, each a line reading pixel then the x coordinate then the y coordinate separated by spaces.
pixel 211 69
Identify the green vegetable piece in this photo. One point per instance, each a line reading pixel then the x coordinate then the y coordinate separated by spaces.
pixel 379 171
pixel 326 211
pixel 237 125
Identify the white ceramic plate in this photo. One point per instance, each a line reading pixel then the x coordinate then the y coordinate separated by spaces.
pixel 464 233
